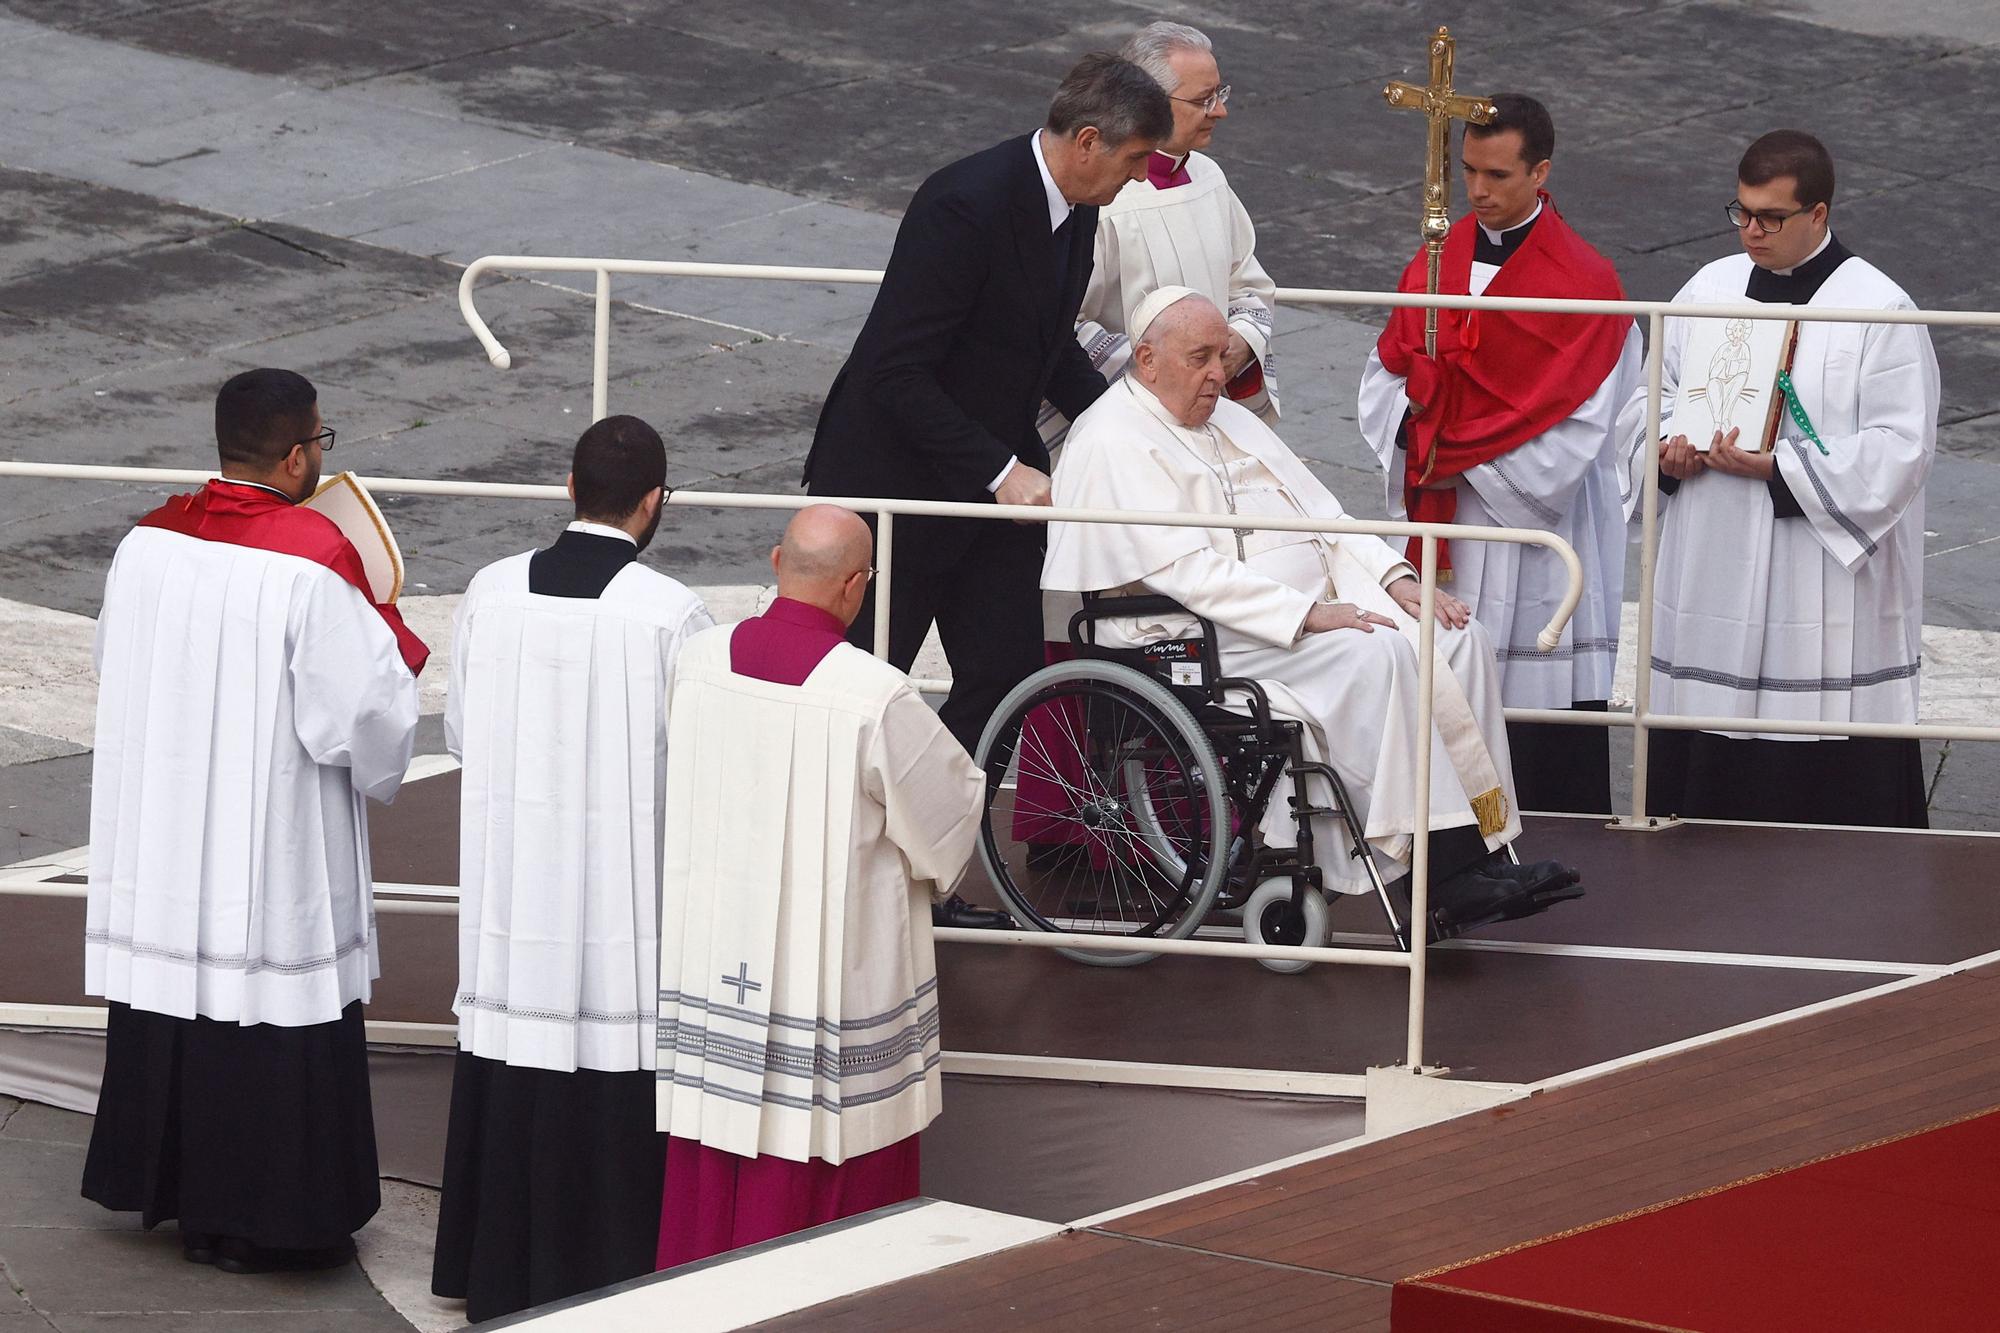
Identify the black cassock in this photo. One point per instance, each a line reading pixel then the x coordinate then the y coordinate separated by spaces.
pixel 1872 780
pixel 551 1179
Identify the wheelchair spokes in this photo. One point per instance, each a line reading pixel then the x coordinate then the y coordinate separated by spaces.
pixel 1102 814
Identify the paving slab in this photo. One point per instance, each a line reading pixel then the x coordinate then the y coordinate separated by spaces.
pixel 46 1124
pixel 123 1271
pixel 561 200
pixel 228 288
pixel 357 41
pixel 49 221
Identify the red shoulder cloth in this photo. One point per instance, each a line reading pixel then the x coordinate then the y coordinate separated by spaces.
pixel 245 515
pixel 1501 377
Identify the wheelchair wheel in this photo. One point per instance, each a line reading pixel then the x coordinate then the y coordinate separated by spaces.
pixel 1106 810
pixel 1268 918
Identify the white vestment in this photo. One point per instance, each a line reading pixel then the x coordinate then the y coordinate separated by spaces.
pixel 1817 617
pixel 1576 480
pixel 558 709
pixel 248 702
pixel 1356 691
pixel 1196 235
pixel 809 828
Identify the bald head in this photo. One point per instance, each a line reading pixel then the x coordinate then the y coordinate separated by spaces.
pixel 824 548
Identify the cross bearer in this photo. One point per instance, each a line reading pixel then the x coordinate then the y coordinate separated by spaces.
pixel 1512 423
pixel 815 808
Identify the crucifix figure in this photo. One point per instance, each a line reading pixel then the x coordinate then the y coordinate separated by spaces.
pixel 1442 104
pixel 741 981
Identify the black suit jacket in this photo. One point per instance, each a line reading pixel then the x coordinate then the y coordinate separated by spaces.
pixel 973 327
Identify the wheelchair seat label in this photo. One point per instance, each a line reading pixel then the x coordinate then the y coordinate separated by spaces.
pixel 1185 673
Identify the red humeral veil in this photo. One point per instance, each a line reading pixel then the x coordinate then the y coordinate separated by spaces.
pixel 1500 377
pixel 245 515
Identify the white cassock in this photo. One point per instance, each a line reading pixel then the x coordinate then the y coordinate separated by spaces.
pixel 1195 235
pixel 557 708
pixel 1576 480
pixel 1357 692
pixel 249 701
pixel 1818 618
pixel 809 829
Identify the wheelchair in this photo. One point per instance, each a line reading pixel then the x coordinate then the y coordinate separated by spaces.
pixel 1125 790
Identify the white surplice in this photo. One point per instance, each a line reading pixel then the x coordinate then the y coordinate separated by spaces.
pixel 1195 235
pixel 1817 618
pixel 809 829
pixel 248 703
pixel 1576 480
pixel 557 708
pixel 1356 691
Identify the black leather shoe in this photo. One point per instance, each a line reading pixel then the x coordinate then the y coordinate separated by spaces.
pixel 240 1256
pixel 955 911
pixel 1471 899
pixel 1528 872
pixel 198 1247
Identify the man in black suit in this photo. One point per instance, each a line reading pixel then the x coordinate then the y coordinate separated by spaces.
pixel 973 328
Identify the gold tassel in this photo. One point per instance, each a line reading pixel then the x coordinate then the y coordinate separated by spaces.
pixel 1490 809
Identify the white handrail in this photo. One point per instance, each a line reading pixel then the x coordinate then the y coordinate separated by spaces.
pixel 886 509
pixel 1642 720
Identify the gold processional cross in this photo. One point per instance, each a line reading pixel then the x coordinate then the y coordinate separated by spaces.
pixel 1439 101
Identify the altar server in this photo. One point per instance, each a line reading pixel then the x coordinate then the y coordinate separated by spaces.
pixel 1791 583
pixel 1514 424
pixel 1327 622
pixel 816 807
pixel 1182 226
pixel 250 697
pixel 562 660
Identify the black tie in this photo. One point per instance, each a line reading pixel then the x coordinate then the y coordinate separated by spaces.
pixel 1060 240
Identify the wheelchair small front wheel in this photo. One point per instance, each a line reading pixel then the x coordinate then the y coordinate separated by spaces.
pixel 1270 918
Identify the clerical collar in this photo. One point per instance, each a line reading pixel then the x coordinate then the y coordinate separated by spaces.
pixel 602 530
pixel 256 485
pixel 1165 171
pixel 1494 247
pixel 791 611
pixel 1800 283
pixel 1059 207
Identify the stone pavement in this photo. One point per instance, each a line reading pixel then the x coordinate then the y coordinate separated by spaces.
pixel 193 187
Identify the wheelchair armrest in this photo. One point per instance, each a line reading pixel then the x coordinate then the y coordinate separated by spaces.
pixel 1098 606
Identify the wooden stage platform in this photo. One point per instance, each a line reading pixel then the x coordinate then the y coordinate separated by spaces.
pixel 1319 1245
pixel 1726 1000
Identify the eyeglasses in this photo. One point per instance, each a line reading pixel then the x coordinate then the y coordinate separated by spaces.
pixel 867 574
pixel 324 440
pixel 1208 104
pixel 1769 223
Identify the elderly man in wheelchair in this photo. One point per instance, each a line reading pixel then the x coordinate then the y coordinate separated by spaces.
pixel 1238 731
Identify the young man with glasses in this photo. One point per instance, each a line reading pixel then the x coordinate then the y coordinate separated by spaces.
pixel 1790 582
pixel 1514 423
pixel 251 699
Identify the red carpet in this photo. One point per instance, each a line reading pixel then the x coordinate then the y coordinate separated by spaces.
pixel 1903 1234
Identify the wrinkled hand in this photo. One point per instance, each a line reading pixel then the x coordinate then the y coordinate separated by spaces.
pixel 1724 456
pixel 1450 612
pixel 1681 460
pixel 1024 486
pixel 1236 355
pixel 1343 615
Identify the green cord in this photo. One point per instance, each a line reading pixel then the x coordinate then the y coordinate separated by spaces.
pixel 1798 412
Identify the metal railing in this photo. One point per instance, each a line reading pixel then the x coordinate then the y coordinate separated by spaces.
pixel 1642 720
pixel 1413 960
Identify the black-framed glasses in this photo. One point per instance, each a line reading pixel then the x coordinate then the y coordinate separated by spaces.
pixel 1208 104
pixel 324 439
pixel 1769 222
